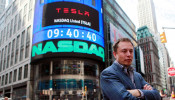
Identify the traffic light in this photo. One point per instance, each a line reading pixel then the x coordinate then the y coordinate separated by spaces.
pixel 163 38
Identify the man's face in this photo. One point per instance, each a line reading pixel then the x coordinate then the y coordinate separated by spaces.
pixel 124 54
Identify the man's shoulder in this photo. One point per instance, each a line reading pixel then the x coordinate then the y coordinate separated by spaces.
pixel 137 74
pixel 110 69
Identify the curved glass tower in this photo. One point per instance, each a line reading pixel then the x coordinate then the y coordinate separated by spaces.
pixel 67 49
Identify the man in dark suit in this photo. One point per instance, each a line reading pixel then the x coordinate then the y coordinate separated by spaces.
pixel 120 82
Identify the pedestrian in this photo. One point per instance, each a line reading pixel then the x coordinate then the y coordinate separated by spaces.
pixel 162 94
pixel 172 95
pixel 120 81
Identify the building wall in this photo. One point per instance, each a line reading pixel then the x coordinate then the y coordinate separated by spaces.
pixel 15 44
pixel 164 61
pixel 2 6
pixel 122 27
pixel 147 15
pixel 151 57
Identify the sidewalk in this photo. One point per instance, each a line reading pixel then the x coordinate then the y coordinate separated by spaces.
pixel 168 98
pixel 172 98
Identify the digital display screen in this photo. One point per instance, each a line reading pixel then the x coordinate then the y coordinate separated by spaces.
pixel 59 13
pixel 68 28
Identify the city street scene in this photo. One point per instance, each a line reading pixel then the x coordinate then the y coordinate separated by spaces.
pixel 87 50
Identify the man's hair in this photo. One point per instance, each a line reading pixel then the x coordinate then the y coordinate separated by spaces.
pixel 115 45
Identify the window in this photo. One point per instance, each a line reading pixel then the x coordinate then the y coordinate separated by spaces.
pixel 2 82
pixel 8 55
pixel 22 38
pixel 44 69
pixel 24 15
pixel 9 47
pixel 22 46
pixel 4 38
pixel 16 57
pixel 21 2
pixel 5 33
pixel 30 4
pixel 10 77
pixel 14 75
pixel 15 5
pixel 30 15
pixel 12 58
pixel 15 24
pixel 8 31
pixel 27 42
pixel 27 51
pixel 13 45
pixel 21 54
pixel 2 60
pixel 26 71
pixel 11 28
pixel 0 38
pixel 20 73
pixel 5 54
pixel 90 69
pixel 24 20
pixel 28 34
pixel 6 79
pixel 12 53
pixel 25 8
pixel 17 49
pixel 19 20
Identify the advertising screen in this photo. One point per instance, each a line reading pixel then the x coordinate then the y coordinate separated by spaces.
pixel 68 28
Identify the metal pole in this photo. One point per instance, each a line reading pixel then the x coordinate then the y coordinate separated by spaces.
pixel 168 28
pixel 82 70
pixel 86 95
pixel 50 82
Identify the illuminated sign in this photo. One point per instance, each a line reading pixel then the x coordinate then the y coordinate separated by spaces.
pixel 68 29
pixel 70 14
pixel 67 33
pixel 68 46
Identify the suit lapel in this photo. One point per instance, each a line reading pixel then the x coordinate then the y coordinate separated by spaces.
pixel 137 81
pixel 128 80
pixel 123 76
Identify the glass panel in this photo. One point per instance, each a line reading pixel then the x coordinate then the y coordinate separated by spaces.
pixel 26 71
pixel 14 75
pixel 68 79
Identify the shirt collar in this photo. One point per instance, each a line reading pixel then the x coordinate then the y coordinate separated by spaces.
pixel 124 67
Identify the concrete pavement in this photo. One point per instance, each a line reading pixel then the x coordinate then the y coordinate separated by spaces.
pixel 168 98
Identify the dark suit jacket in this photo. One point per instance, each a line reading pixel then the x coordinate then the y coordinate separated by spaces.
pixel 115 83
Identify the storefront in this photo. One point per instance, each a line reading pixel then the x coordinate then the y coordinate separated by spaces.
pixel 19 93
pixel 67 79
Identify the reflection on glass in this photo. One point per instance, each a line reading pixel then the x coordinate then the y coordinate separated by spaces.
pixel 68 79
pixel 66 67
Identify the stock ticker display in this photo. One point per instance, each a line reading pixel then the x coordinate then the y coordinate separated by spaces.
pixel 68 28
